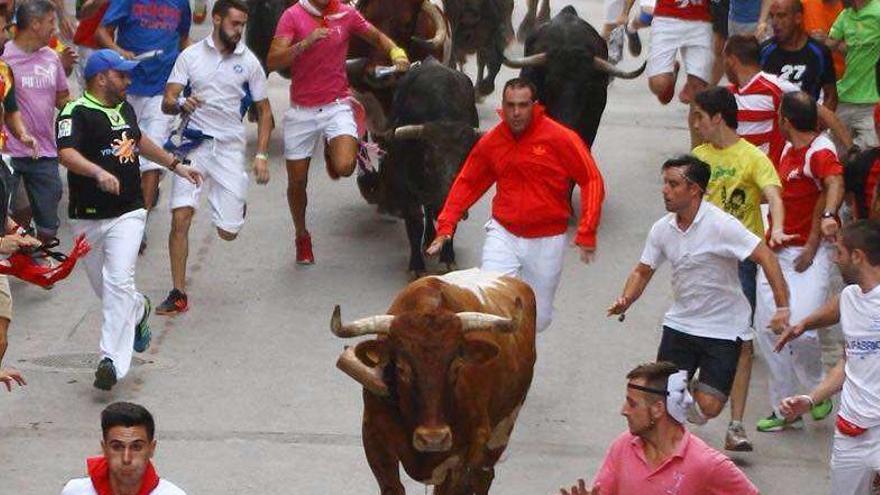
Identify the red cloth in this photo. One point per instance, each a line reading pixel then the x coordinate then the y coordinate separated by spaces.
pixel 801 171
pixel 533 174
pixel 758 102
pixel 99 472
pixel 23 266
pixel 689 10
pixel 85 31
pixel 848 428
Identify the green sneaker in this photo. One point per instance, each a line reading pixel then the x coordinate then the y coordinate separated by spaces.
pixel 775 423
pixel 142 334
pixel 821 410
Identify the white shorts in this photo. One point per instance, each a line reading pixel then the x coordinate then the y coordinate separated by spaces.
pixel 304 125
pixel 855 463
pixel 647 4
pixel 155 124
pixel 692 38
pixel 613 9
pixel 222 166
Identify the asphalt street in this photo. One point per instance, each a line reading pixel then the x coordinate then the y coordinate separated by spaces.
pixel 244 388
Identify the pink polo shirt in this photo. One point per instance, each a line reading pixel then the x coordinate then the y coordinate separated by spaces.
pixel 317 75
pixel 694 469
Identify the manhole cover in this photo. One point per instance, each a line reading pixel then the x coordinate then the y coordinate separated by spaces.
pixel 85 361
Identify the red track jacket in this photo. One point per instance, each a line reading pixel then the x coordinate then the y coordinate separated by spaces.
pixel 533 173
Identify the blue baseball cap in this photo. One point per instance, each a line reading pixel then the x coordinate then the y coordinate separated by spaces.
pixel 106 59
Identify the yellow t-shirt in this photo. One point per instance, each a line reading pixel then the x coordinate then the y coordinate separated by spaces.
pixel 739 174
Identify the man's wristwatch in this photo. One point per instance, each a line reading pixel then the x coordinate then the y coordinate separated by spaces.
pixel 829 214
pixel 174 164
pixel 262 156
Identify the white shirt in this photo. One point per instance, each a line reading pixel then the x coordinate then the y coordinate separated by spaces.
pixel 83 486
pixel 708 298
pixel 224 83
pixel 860 321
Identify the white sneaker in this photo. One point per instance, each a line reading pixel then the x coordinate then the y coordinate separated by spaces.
pixel 615 44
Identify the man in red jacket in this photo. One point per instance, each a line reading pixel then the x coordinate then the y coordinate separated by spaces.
pixel 533 160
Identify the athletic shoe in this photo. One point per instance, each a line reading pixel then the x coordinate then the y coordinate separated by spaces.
pixel 304 255
pixel 142 335
pixel 105 375
pixel 633 42
pixel 694 415
pixel 775 423
pixel 736 439
pixel 615 44
pixel 821 410
pixel 176 302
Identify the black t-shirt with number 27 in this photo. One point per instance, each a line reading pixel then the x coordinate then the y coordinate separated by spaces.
pixel 108 137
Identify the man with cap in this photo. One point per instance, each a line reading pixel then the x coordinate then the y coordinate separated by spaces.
pixel 658 454
pixel 99 142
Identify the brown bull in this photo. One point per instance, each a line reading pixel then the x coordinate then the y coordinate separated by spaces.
pixel 444 380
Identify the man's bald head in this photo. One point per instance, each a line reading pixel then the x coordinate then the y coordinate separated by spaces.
pixel 786 17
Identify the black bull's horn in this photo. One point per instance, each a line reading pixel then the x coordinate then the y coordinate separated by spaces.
pixel 440 34
pixel 603 65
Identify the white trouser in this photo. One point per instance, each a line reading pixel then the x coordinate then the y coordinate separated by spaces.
pixel 855 463
pixel 222 165
pixel 110 265
pixel 800 361
pixel 153 122
pixel 537 261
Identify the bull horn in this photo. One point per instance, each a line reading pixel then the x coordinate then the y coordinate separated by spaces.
pixel 371 325
pixel 439 38
pixel 473 321
pixel 413 131
pixel 605 66
pixel 370 378
pixel 530 61
pixel 355 66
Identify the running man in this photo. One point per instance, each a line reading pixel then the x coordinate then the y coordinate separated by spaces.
pixel 312 40
pixel 222 76
pixel 855 452
pixel 99 142
pixel 812 191
pixel 709 315
pixel 742 176
pixel 680 27
pixel 532 160
pixel 126 467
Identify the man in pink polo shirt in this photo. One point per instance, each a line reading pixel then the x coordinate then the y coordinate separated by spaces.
pixel 312 40
pixel 658 455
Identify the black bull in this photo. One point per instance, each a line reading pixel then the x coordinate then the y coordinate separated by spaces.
pixel 566 59
pixel 432 129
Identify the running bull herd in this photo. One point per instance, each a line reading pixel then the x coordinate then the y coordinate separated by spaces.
pixel 452 359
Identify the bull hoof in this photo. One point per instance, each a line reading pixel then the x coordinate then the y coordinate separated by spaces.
pixel 485 87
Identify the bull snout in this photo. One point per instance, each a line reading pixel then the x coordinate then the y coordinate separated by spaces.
pixel 432 439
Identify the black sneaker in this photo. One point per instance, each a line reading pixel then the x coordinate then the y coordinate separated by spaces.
pixel 176 302
pixel 633 42
pixel 105 375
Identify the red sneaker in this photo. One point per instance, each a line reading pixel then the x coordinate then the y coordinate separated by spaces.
pixel 304 255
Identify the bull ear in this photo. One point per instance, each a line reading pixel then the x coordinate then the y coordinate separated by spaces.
pixel 478 351
pixel 372 352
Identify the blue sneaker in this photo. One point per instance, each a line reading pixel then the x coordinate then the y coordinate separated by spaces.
pixel 142 335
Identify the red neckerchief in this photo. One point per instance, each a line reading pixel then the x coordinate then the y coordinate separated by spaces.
pixel 331 8
pixel 99 472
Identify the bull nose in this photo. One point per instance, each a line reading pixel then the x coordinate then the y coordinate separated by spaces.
pixel 432 439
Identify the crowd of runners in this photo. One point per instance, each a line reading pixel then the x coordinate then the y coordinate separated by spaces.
pixel 778 200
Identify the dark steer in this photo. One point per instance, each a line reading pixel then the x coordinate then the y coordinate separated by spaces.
pixel 568 62
pixel 444 380
pixel 431 132
pixel 261 25
pixel 482 27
